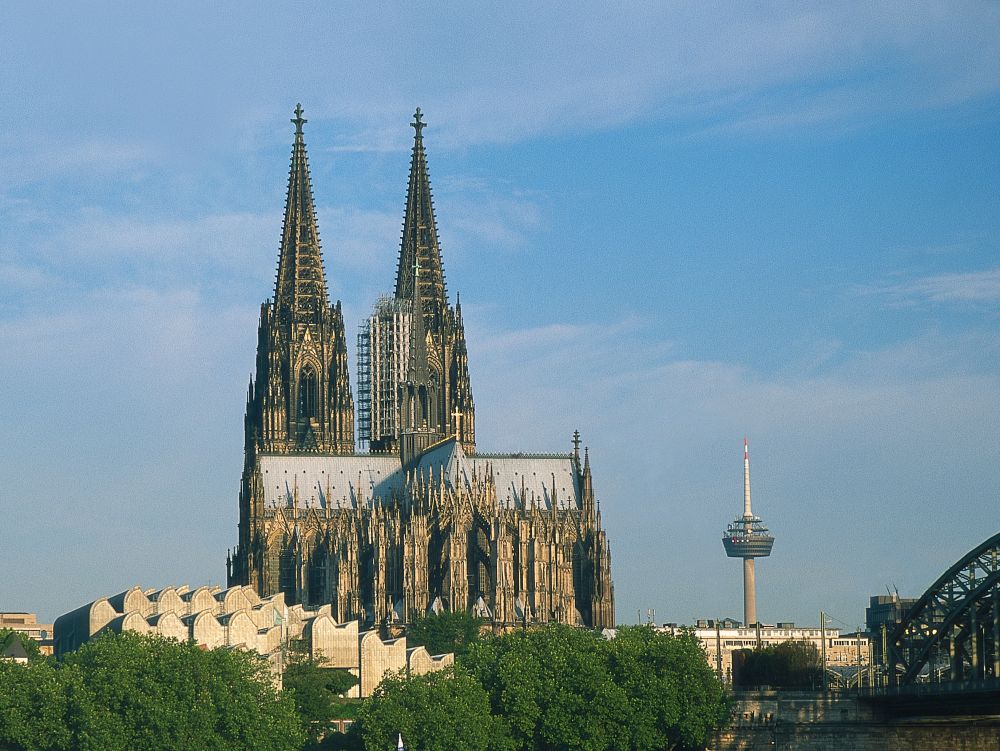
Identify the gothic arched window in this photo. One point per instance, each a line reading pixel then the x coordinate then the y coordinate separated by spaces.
pixel 308 393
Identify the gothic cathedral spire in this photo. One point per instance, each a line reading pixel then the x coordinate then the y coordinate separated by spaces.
pixel 420 239
pixel 421 391
pixel 301 401
pixel 300 286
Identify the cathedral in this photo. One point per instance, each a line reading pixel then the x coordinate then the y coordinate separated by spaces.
pixel 418 521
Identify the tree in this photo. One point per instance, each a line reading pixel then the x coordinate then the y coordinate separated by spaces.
pixel 676 699
pixel 556 688
pixel 315 690
pixel 552 688
pixel 791 664
pixel 132 691
pixel 444 632
pixel 33 708
pixel 441 711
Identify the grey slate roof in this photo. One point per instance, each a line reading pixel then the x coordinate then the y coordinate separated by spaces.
pixel 347 481
pixel 13 649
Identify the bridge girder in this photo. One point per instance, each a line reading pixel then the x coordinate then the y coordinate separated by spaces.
pixel 958 617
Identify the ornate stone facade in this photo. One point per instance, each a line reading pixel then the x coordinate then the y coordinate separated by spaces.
pixel 421 522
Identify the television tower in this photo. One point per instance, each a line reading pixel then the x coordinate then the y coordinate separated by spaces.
pixel 746 537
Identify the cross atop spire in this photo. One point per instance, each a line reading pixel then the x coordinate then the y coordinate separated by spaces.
pixel 299 120
pixel 418 123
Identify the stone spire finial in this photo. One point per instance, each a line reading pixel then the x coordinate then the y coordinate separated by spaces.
pixel 418 123
pixel 299 120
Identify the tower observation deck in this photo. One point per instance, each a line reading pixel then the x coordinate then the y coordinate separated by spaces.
pixel 746 537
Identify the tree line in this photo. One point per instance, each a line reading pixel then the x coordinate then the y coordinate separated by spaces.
pixel 551 687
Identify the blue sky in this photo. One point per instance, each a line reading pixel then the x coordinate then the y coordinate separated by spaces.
pixel 671 225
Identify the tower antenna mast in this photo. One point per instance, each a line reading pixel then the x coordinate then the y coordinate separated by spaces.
pixel 746 537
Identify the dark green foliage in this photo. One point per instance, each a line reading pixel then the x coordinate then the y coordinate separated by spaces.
pixel 552 688
pixel 558 688
pixel 316 692
pixel 33 708
pixel 131 691
pixel 548 688
pixel 442 711
pixel 791 664
pixel 676 701
pixel 444 632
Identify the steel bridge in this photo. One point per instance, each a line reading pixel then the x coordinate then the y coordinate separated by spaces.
pixel 946 651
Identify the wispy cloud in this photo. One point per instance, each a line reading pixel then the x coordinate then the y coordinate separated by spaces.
pixel 482 214
pixel 29 277
pixel 360 239
pixel 971 287
pixel 39 160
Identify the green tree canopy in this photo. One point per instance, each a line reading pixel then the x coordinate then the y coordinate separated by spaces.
pixel 675 698
pixel 129 691
pixel 444 632
pixel 316 691
pixel 33 707
pixel 441 711
pixel 553 689
pixel 791 664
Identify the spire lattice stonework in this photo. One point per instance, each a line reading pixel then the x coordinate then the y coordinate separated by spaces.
pixel 420 238
pixel 300 284
pixel 437 362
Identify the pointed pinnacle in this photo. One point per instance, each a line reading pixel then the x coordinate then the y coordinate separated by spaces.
pixel 298 119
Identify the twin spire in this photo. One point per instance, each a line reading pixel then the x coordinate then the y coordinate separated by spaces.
pixel 300 286
pixel 419 247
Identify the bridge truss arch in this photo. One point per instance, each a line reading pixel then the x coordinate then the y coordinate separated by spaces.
pixel 951 636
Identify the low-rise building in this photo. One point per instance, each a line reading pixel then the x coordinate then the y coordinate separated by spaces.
pixel 721 639
pixel 238 618
pixel 883 614
pixel 27 624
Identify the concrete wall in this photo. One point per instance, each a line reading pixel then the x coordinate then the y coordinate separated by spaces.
pixel 241 631
pixel 333 644
pixel 168 600
pixel 420 662
pixel 379 659
pixel 806 721
pixel 169 625
pixel 237 617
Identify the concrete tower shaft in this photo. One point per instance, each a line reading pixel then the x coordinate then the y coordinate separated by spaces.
pixel 749 592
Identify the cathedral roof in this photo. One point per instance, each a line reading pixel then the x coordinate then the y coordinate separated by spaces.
pixel 531 481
